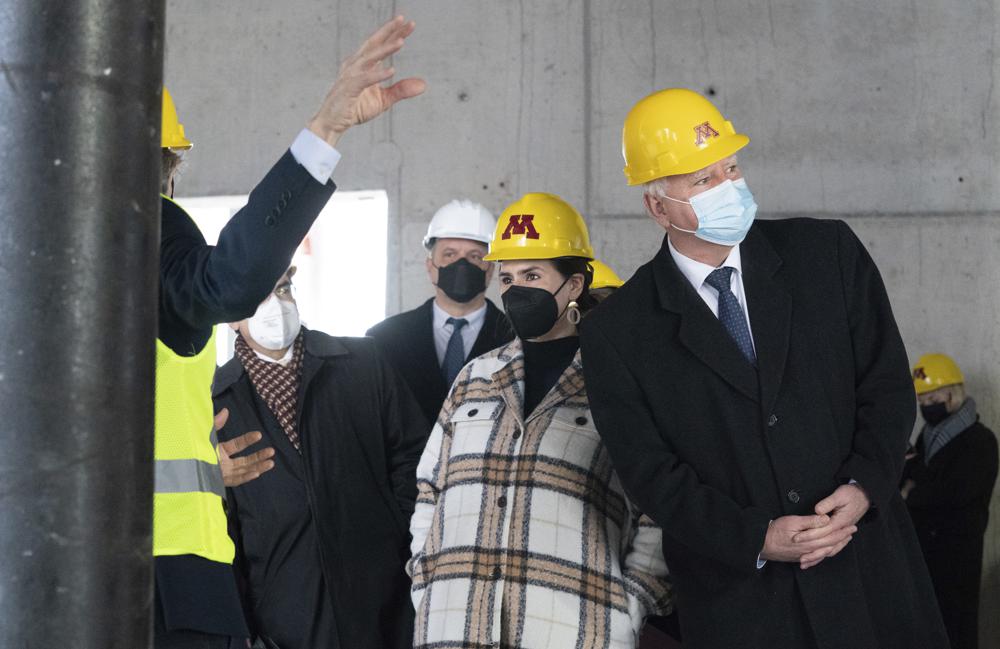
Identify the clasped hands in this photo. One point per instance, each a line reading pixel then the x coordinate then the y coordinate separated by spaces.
pixel 809 540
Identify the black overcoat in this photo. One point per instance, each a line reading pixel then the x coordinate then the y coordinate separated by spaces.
pixel 950 506
pixel 407 339
pixel 713 449
pixel 336 517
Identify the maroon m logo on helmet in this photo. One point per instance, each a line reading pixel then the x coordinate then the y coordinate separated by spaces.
pixel 919 374
pixel 521 224
pixel 702 132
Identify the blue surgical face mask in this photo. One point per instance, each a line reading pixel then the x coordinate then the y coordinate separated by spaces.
pixel 725 213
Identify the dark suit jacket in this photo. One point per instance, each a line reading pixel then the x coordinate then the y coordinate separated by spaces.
pixel 408 342
pixel 713 450
pixel 202 286
pixel 322 538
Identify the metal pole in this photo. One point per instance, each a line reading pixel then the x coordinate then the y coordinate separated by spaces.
pixel 79 236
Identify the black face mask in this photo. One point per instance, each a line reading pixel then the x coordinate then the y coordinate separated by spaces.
pixel 531 311
pixel 934 413
pixel 461 280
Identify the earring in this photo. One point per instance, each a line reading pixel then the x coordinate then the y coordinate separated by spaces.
pixel 573 313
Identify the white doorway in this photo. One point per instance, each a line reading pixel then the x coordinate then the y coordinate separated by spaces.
pixel 340 283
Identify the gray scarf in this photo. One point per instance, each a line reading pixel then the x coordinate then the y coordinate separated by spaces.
pixel 936 437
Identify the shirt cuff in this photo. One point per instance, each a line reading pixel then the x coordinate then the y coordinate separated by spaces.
pixel 313 153
pixel 761 562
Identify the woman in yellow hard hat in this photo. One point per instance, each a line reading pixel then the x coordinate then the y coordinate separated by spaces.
pixel 520 519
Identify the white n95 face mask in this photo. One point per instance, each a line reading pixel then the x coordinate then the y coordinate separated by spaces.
pixel 725 213
pixel 276 324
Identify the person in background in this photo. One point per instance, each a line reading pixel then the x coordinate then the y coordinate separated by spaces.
pixel 606 281
pixel 947 483
pixel 522 534
pixel 321 538
pixel 430 344
pixel 752 387
pixel 196 602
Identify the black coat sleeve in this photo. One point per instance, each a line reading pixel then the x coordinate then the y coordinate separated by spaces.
pixel 202 286
pixel 885 404
pixel 405 431
pixel 701 518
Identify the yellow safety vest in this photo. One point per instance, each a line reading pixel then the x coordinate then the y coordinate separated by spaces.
pixel 188 517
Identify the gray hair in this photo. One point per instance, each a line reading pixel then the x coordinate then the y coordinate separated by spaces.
pixel 171 163
pixel 657 187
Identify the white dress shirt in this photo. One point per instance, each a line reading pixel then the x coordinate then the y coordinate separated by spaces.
pixel 696 273
pixel 443 330
pixel 312 152
pixel 283 361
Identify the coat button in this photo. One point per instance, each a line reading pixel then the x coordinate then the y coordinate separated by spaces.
pixel 793 497
pixel 502 501
pixel 286 195
pixel 474 412
pixel 517 433
pixel 581 421
pixel 772 420
pixel 497 572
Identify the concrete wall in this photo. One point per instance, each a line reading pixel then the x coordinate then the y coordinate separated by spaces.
pixel 884 114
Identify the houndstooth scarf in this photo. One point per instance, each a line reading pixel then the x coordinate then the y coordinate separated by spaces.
pixel 277 385
pixel 936 437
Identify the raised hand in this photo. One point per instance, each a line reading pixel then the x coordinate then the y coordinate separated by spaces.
pixel 357 95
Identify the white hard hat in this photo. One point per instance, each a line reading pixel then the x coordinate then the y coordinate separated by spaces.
pixel 461 219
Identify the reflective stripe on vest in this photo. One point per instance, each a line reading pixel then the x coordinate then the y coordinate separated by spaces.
pixel 188 514
pixel 183 476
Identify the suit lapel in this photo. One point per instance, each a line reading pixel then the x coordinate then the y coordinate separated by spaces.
pixel 425 352
pixel 700 331
pixel 770 308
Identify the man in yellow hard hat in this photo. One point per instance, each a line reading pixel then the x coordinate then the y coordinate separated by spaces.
pixel 196 600
pixel 754 393
pixel 947 484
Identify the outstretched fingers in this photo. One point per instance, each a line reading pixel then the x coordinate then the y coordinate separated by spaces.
pixel 404 89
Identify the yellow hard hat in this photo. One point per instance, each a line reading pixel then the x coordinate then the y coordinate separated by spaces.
pixel 172 133
pixel 935 371
pixel 675 131
pixel 540 226
pixel 604 277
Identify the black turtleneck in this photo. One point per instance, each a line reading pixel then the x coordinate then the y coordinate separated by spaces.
pixel 544 363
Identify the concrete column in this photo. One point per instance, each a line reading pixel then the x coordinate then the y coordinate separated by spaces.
pixel 79 234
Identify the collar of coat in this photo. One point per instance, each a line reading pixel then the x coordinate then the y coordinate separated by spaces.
pixel 316 345
pixel 770 307
pixel 509 380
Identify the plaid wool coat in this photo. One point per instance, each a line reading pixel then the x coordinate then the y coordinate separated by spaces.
pixel 522 534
